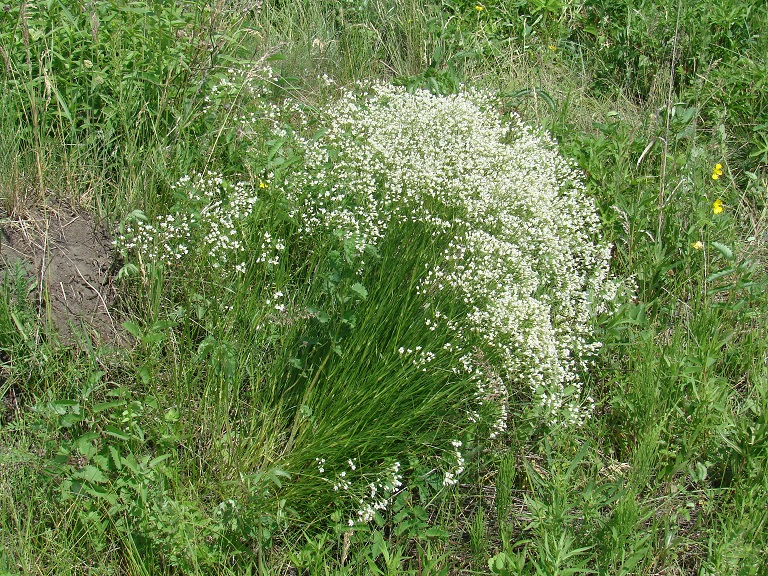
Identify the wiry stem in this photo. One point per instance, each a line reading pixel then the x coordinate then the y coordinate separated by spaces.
pixel 32 99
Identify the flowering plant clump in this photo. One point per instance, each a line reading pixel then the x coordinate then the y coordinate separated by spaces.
pixel 522 253
pixel 371 492
pixel 207 223
pixel 473 228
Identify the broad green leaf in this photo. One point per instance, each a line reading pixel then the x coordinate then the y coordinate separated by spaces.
pixel 360 290
pixel 133 329
pixel 721 274
pixel 129 461
pixel 154 338
pixel 723 249
pixel 116 432
pixel 107 405
pixel 71 420
pixel 155 461
pixel 138 215
pixel 321 315
pixel 85 446
pixel 91 474
pixel 116 457
pixel 103 493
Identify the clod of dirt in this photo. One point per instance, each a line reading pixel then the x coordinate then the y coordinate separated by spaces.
pixel 67 256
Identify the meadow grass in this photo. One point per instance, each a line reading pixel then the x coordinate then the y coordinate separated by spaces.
pixel 280 404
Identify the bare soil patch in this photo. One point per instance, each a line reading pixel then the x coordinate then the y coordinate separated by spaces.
pixel 68 257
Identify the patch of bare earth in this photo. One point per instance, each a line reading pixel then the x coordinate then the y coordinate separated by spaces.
pixel 67 256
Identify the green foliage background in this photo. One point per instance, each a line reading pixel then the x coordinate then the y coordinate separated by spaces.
pixel 160 457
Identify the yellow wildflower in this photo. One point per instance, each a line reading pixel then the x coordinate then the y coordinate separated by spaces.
pixel 552 47
pixel 262 184
pixel 698 245
pixel 479 7
pixel 717 171
pixel 717 206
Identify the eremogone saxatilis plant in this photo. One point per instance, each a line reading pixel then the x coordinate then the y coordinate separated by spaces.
pixel 430 267
pixel 522 250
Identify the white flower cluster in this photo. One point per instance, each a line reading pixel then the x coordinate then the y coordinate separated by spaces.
pixel 206 223
pixel 420 358
pixel 524 258
pixel 376 494
pixel 277 301
pixel 236 83
pixel 490 391
pixel 451 477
